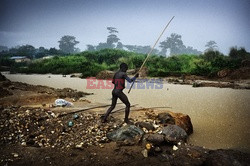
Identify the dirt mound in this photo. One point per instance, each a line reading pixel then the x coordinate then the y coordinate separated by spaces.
pixel 61 93
pixel 237 74
pixel 241 73
pixel 106 74
pixel 144 72
pixel 224 73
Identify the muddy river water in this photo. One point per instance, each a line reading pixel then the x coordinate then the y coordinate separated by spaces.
pixel 220 116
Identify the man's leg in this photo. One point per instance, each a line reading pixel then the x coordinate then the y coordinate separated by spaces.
pixel 114 100
pixel 124 99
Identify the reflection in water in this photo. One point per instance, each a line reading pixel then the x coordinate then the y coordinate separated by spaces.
pixel 220 116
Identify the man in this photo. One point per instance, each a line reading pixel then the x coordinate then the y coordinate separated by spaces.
pixel 119 85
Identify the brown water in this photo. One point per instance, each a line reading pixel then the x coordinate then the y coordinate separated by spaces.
pixel 220 116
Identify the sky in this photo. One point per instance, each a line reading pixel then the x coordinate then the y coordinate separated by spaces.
pixel 139 22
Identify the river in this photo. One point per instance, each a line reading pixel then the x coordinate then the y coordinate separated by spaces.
pixel 220 116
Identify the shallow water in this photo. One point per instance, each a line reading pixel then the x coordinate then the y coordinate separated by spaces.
pixel 220 116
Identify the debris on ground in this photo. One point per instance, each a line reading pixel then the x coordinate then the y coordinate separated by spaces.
pixel 63 103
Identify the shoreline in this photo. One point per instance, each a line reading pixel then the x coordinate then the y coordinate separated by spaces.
pixel 193 80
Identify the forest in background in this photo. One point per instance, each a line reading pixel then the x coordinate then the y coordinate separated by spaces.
pixel 172 57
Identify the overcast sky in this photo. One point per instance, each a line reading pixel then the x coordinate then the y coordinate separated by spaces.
pixel 139 22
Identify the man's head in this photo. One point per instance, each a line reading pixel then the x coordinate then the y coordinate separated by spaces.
pixel 123 67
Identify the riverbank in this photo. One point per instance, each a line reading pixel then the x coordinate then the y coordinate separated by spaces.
pixel 35 133
pixel 224 107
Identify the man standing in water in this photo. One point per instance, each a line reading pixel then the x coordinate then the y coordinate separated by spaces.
pixel 119 85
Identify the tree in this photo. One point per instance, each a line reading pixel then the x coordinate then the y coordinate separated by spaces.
pixel 67 44
pixel 101 46
pixel 209 56
pixel 141 49
pixel 174 43
pixel 191 50
pixel 90 47
pixel 211 46
pixel 26 50
pixel 41 52
pixel 119 45
pixel 241 53
pixel 112 38
pixel 54 51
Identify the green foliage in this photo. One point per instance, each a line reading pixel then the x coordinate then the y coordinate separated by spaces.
pixel 89 63
pixel 241 53
pixel 6 61
pixel 211 55
pixel 202 67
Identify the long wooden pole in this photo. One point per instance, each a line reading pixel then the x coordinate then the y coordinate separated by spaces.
pixel 151 51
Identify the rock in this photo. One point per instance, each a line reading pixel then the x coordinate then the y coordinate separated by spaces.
pixel 75 116
pixel 79 75
pixel 146 125
pixel 79 146
pixel 144 153
pixel 15 154
pixel 166 118
pixel 150 113
pixel 175 148
pixel 70 123
pixel 184 122
pixel 128 132
pixel 174 134
pixel 23 143
pixel 155 138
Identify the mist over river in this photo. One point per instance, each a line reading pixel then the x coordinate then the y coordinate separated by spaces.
pixel 220 116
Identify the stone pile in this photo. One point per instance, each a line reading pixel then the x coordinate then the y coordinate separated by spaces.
pixel 43 128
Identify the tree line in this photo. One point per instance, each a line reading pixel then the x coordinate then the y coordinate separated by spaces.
pixel 172 45
pixel 90 63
